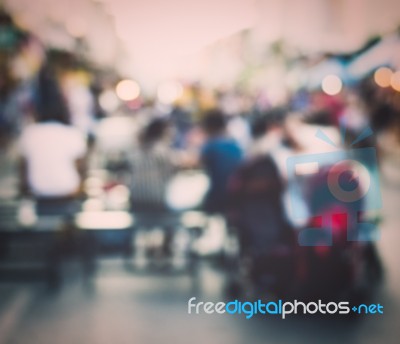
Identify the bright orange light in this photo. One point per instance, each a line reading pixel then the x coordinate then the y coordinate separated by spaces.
pixel 127 90
pixel 395 81
pixel 383 76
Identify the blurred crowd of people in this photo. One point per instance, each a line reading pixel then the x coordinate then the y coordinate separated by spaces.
pixel 63 132
pixel 62 136
pixel 76 142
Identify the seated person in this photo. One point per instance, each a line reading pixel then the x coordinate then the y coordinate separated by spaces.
pixel 52 152
pixel 153 165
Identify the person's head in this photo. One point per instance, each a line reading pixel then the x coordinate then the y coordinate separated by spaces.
pixel 214 122
pixel 155 131
pixel 270 120
pixel 293 123
pixel 321 117
pixel 50 104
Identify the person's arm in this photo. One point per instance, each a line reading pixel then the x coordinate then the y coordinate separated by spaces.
pixel 81 154
pixel 187 160
pixel 81 168
pixel 23 152
pixel 24 189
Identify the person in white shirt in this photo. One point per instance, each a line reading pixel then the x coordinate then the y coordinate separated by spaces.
pixel 51 148
pixel 52 151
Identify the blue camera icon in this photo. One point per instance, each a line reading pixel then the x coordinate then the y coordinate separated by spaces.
pixel 337 188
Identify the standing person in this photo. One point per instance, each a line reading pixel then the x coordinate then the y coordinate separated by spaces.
pixel 220 156
pixel 257 211
pixel 52 150
pixel 258 186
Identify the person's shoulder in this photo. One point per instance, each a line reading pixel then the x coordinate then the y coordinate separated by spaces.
pixel 218 142
pixel 72 137
pixel 228 141
pixel 31 136
pixel 259 162
pixel 71 131
pixel 31 130
pixel 232 145
pixel 209 144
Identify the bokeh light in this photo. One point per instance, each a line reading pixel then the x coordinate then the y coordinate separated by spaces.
pixel 127 90
pixel 383 76
pixel 395 81
pixel 332 84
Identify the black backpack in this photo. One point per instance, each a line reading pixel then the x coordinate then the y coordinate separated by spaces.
pixel 255 205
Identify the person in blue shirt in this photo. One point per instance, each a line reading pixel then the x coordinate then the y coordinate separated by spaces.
pixel 220 156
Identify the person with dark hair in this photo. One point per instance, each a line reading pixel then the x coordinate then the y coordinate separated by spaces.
pixel 156 130
pixel 220 156
pixel 256 207
pixel 271 118
pixel 49 102
pixel 266 129
pixel 152 166
pixel 214 122
pixel 51 148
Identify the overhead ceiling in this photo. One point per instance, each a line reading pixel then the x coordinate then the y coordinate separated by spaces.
pixel 157 39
